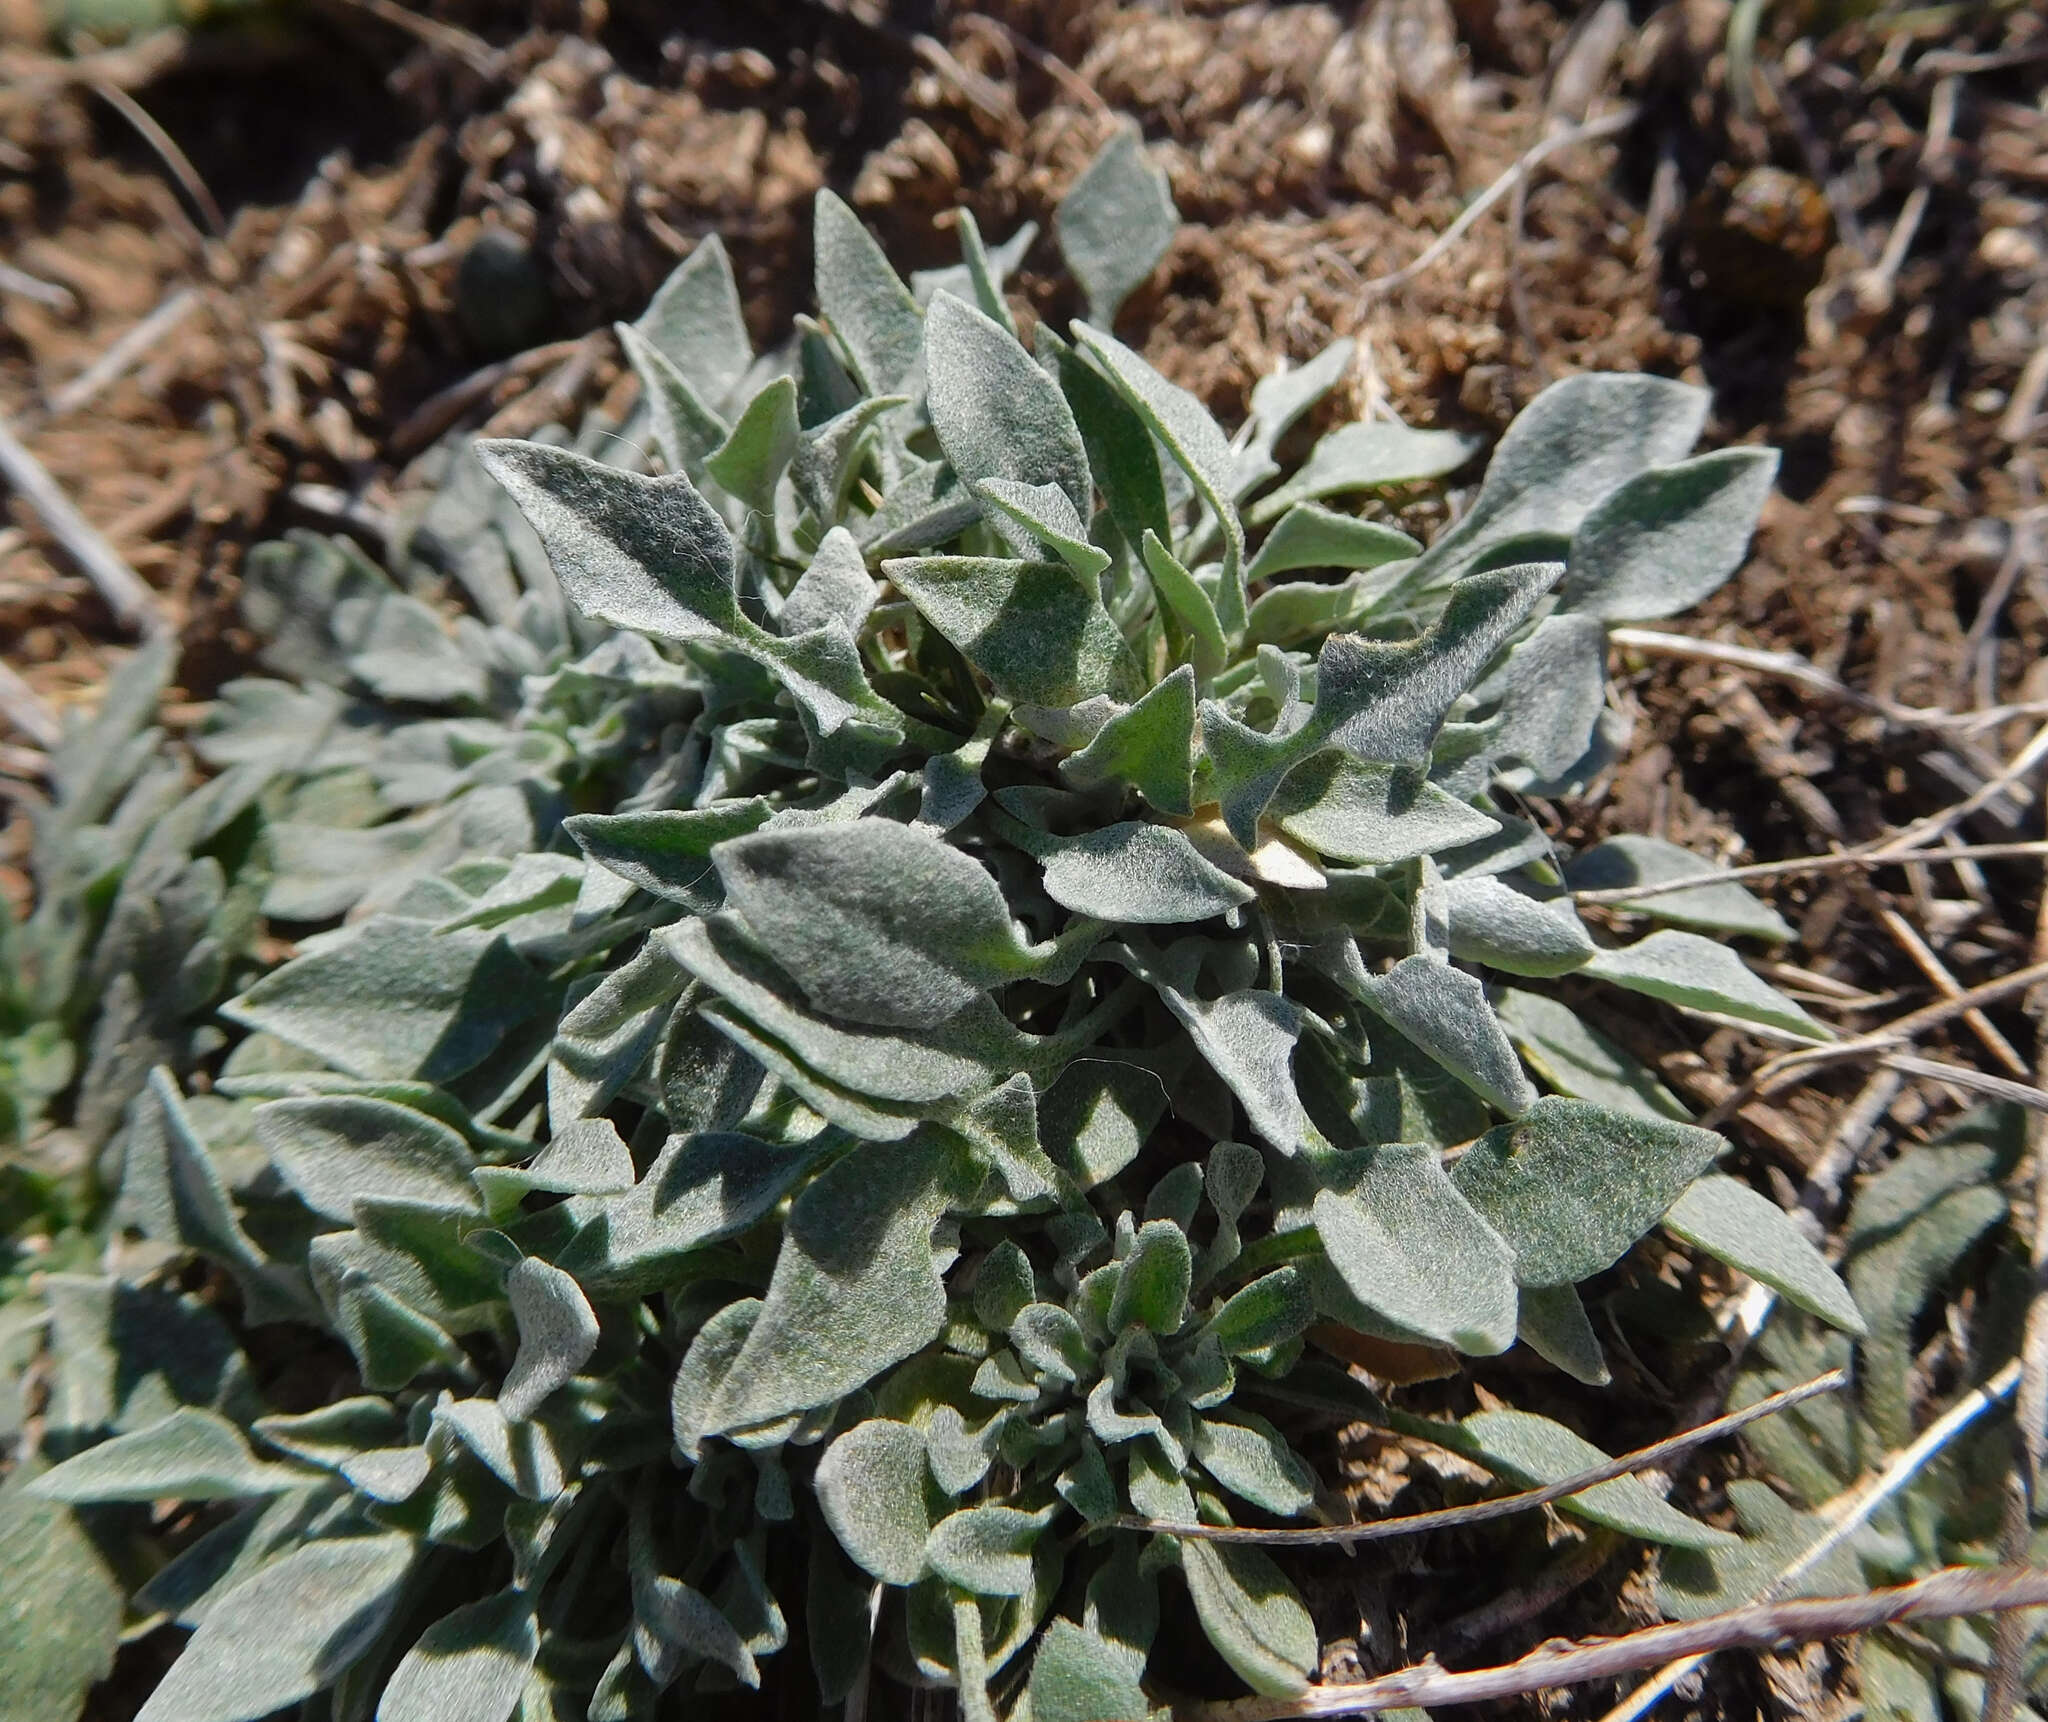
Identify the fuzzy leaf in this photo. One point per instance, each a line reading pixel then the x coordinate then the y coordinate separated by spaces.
pixel 1372 815
pixel 1494 924
pixel 286 1632
pixel 1150 746
pixel 986 1550
pixel 1444 1012
pixel 1076 1677
pixel 877 922
pixel 1750 1232
pixel 388 1004
pixel 1051 1341
pixel 1252 1616
pixel 1251 1459
pixel 1668 537
pixel 1122 456
pixel 1410 1248
pixel 191 1455
pixel 855 1287
pixel 1312 537
pixel 1578 1060
pixel 835 591
pixel 869 308
pixel 1634 860
pixel 1140 873
pixel 335 1149
pixel 1268 1312
pixel 1033 628
pixel 1686 969
pixel 1533 1450
pixel 997 415
pixel 1152 1291
pixel 1115 222
pixel 1552 1322
pixel 469 1666
pixel 686 428
pixel 1196 443
pixel 872 1485
pixel 753 458
pixel 1571 446
pixel 60 1611
pixel 695 321
pixel 1571 1185
pixel 1034 518
pixel 666 853
pixel 1549 693
pixel 1378 700
pixel 1190 605
pixel 1365 456
pixel 557 1334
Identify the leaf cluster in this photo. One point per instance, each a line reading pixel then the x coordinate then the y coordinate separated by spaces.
pixel 866 1005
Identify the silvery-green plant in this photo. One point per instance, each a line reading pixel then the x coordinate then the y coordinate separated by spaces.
pixel 893 973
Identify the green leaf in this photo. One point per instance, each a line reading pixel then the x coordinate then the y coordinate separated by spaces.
pixel 1548 695
pixel 385 1003
pixel 1196 443
pixel 668 852
pixel 335 1149
pixel 1552 1322
pixel 1252 1616
pixel 1152 1291
pixel 1410 1248
pixel 1279 398
pixel 1571 1185
pixel 1372 815
pixel 1365 456
pixel 755 455
pixel 557 1334
pixel 286 1632
pixel 1189 604
pixel 1686 969
pixel 1444 1012
pixel 1633 860
pixel 1149 745
pixel 877 922
pixel 60 1610
pixel 1533 1450
pixel 864 300
pixel 686 428
pixel 1140 873
pixel 855 1286
pixel 1248 1038
pixel 1268 1312
pixel 1115 222
pixel 1578 1060
pixel 1076 1677
pixel 191 1455
pixel 1668 537
pixel 469 1666
pixel 1035 518
pixel 997 414
pixel 1378 700
pixel 1573 444
pixel 1750 1232
pixel 1312 537
pixel 986 1549
pixel 835 591
pixel 695 321
pixel 1122 456
pixel 873 1484
pixel 1251 1459
pixel 1050 1340
pixel 1035 629
pixel 1003 1286
pixel 1494 924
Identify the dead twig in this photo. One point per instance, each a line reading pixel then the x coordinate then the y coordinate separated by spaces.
pixel 121 355
pixel 437 412
pixel 23 285
pixel 1848 1513
pixel 1414 1524
pixel 1606 126
pixel 1929 964
pixel 1761 1626
pixel 133 603
pixel 1841 861
pixel 166 147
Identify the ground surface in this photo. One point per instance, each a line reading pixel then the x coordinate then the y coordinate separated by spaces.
pixel 1846 238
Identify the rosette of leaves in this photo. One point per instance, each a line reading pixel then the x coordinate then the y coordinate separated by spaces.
pixel 962 788
pixel 1931 1224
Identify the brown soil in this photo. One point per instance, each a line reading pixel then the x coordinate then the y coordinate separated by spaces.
pixel 1851 246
